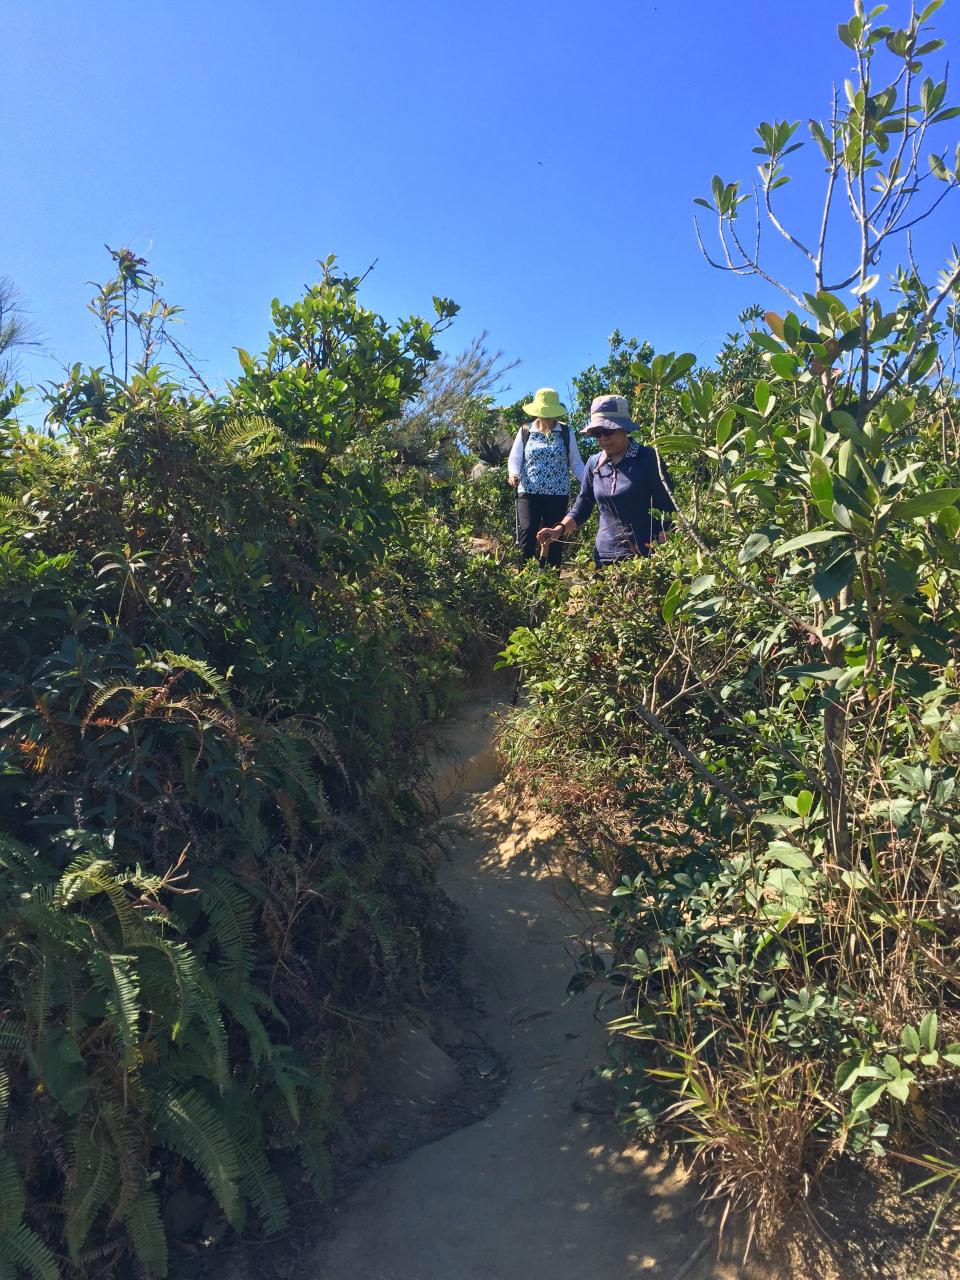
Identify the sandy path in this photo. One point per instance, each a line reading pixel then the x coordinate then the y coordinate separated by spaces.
pixel 538 1190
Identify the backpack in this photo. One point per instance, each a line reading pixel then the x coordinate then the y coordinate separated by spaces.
pixel 565 431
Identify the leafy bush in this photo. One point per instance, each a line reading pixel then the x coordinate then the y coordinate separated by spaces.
pixel 759 731
pixel 227 623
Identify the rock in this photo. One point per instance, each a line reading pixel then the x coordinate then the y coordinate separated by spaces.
pixel 413 1069
pixel 598 1099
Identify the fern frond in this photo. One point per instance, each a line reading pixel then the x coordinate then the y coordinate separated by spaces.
pixel 20 864
pixel 147 1234
pixel 227 907
pixel 186 1123
pixel 203 671
pixel 11 1195
pixel 28 1251
pixel 93 1177
pixel 182 962
pixel 90 875
pixel 218 1061
pixel 115 977
pixel 13 1036
pixel 104 694
pixel 312 1145
pixel 259 1183
pixel 235 436
pixel 4 1098
pixel 129 1151
pixel 241 1010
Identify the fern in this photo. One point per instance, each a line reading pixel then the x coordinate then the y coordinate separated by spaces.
pixel 241 1009
pixel 182 963
pixel 115 976
pixel 228 908
pixel 186 1123
pixel 204 672
pixel 147 1233
pixel 11 1195
pixel 19 863
pixel 88 876
pixel 22 1248
pixel 128 1148
pixel 104 694
pixel 259 1183
pixel 217 1061
pixel 93 1177
pixel 13 1036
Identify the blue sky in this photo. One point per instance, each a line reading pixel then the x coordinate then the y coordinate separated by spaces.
pixel 534 161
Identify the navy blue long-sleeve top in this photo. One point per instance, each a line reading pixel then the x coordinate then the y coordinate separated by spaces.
pixel 628 493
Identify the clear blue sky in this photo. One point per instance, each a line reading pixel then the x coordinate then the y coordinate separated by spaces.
pixel 535 161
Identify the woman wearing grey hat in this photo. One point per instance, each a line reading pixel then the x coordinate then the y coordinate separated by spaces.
pixel 624 481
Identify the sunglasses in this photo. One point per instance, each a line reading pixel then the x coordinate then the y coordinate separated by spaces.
pixel 602 432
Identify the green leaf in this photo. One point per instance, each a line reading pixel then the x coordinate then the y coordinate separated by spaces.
pixel 807 540
pixel 11 1195
pixel 821 481
pixel 924 504
pixel 867 1095
pixel 848 1072
pixel 754 546
pixel 678 442
pixel 865 285
pixel 725 427
pixel 928 1031
pixel 672 600
pixel 29 1252
pixel 830 580
pixel 186 1123
pixel 804 803
pixel 790 857
pixel 910 1040
pixel 899 1089
pixel 891 1066
pixel 762 396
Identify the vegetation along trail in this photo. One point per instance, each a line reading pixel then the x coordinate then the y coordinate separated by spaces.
pixel 543 1186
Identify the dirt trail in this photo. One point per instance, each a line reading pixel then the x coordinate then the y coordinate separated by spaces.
pixel 539 1188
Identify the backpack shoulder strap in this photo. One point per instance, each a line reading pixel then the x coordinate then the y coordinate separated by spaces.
pixel 565 428
pixel 525 434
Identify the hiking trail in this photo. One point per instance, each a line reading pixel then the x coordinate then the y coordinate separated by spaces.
pixel 545 1186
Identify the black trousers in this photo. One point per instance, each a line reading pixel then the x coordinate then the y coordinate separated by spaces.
pixel 539 511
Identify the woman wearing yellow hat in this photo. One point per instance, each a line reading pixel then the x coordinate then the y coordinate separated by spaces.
pixel 539 466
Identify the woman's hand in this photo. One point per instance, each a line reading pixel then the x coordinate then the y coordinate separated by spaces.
pixel 513 481
pixel 546 536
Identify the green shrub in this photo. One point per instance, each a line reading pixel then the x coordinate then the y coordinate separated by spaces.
pixel 227 623
pixel 758 733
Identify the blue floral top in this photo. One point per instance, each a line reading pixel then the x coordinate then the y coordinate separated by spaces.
pixel 544 465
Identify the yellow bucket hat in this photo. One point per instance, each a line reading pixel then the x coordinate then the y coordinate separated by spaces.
pixel 545 404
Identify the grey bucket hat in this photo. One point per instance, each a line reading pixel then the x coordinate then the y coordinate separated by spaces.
pixel 609 413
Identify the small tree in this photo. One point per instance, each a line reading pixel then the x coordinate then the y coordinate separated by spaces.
pixel 847 495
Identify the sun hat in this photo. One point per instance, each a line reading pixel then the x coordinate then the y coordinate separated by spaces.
pixel 545 404
pixel 609 413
